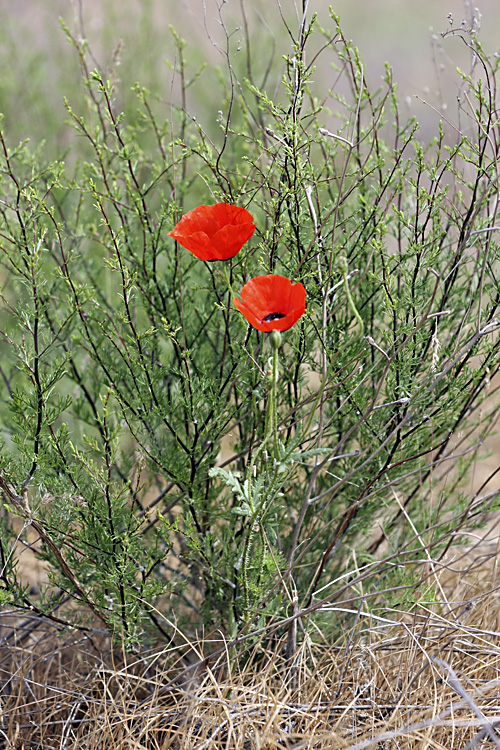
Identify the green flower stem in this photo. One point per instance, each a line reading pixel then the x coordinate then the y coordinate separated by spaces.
pixel 263 555
pixel 270 434
pixel 275 339
pixel 244 569
pixel 343 268
pixel 255 525
pixel 271 423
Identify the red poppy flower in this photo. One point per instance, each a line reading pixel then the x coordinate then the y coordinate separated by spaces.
pixel 272 303
pixel 215 232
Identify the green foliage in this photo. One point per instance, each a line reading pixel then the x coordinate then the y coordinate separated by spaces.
pixel 167 474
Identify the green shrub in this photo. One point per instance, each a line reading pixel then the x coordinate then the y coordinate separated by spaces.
pixel 180 468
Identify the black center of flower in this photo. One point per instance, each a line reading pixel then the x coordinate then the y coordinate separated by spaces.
pixel 273 316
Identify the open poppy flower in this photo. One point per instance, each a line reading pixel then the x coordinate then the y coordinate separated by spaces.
pixel 215 232
pixel 272 303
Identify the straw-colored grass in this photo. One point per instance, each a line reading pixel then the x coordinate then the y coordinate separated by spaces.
pixel 427 679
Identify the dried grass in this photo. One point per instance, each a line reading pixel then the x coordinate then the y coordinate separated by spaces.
pixel 426 680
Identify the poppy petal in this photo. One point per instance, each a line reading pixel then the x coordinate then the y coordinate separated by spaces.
pixel 227 213
pixel 272 302
pixel 200 219
pixel 250 316
pixel 266 294
pixel 230 239
pixel 216 232
pixel 197 243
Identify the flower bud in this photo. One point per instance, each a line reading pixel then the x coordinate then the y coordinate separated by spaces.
pixel 342 264
pixel 275 339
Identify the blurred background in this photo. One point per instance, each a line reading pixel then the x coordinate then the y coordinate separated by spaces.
pixel 133 38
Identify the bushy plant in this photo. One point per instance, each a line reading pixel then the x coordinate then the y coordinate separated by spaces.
pixel 182 467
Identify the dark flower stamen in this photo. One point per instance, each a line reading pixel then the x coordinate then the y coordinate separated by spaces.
pixel 272 316
pixel 272 303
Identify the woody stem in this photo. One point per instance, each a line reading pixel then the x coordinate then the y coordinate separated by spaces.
pixel 228 280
